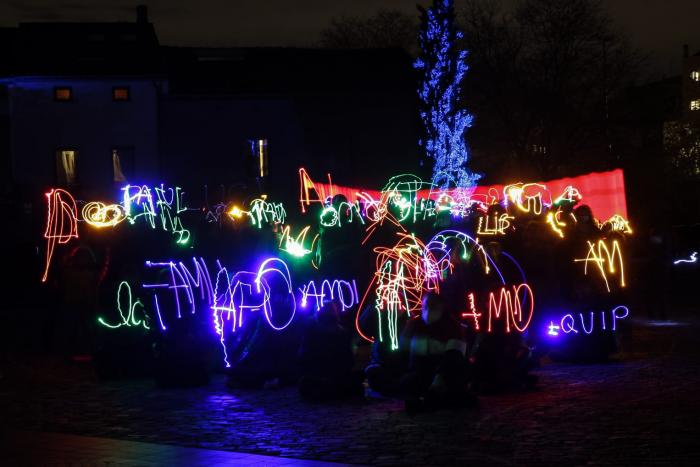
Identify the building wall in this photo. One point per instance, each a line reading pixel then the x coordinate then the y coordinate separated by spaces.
pixel 92 123
pixel 691 87
pixel 204 141
pixel 360 140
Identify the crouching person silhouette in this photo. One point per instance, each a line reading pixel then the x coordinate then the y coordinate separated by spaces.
pixel 437 375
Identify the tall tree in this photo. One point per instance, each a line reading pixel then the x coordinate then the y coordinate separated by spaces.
pixel 386 29
pixel 442 65
pixel 545 73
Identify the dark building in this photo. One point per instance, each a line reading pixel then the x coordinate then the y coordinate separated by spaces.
pixel 93 106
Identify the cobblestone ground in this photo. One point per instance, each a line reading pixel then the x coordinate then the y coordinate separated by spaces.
pixel 640 409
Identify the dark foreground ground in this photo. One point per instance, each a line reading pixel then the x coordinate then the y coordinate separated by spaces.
pixel 640 409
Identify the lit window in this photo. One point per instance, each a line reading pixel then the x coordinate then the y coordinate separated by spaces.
pixel 695 105
pixel 259 152
pixel 122 164
pixel 695 75
pixel 66 172
pixel 120 93
pixel 63 94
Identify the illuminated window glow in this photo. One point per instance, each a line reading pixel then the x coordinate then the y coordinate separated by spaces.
pixel 120 93
pixel 258 149
pixel 63 93
pixel 66 167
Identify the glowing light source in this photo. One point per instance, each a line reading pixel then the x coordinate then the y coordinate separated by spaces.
pixel 553 329
pixel 295 245
pixel 235 212
pixel 61 223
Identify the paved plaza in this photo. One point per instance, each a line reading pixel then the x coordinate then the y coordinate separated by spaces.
pixel 640 409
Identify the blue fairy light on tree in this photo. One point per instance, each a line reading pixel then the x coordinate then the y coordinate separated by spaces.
pixel 443 65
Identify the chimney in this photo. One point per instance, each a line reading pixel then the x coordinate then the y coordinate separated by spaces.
pixel 685 50
pixel 142 14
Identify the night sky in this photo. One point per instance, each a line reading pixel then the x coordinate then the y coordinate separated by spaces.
pixel 657 27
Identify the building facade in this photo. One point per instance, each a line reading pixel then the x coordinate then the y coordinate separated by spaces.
pixel 92 106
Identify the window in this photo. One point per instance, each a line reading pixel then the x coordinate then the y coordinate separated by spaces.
pixel 63 94
pixel 122 164
pixel 539 149
pixel 695 105
pixel 66 167
pixel 120 93
pixel 259 151
pixel 695 75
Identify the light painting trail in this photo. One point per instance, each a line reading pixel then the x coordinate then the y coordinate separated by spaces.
pixel 498 225
pixel 261 212
pixel 528 197
pixel 510 305
pixel 601 255
pixel 617 223
pixel 138 201
pixel 295 245
pixel 182 279
pixel 344 291
pixel 249 292
pixel 403 273
pixel 61 223
pixel 692 259
pixel 128 318
pixel 568 324
pixel 555 223
pixel 100 215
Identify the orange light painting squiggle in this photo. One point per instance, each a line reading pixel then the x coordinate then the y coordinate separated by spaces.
pixel 61 223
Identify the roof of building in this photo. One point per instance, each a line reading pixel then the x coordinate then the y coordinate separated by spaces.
pixel 80 49
pixel 287 70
